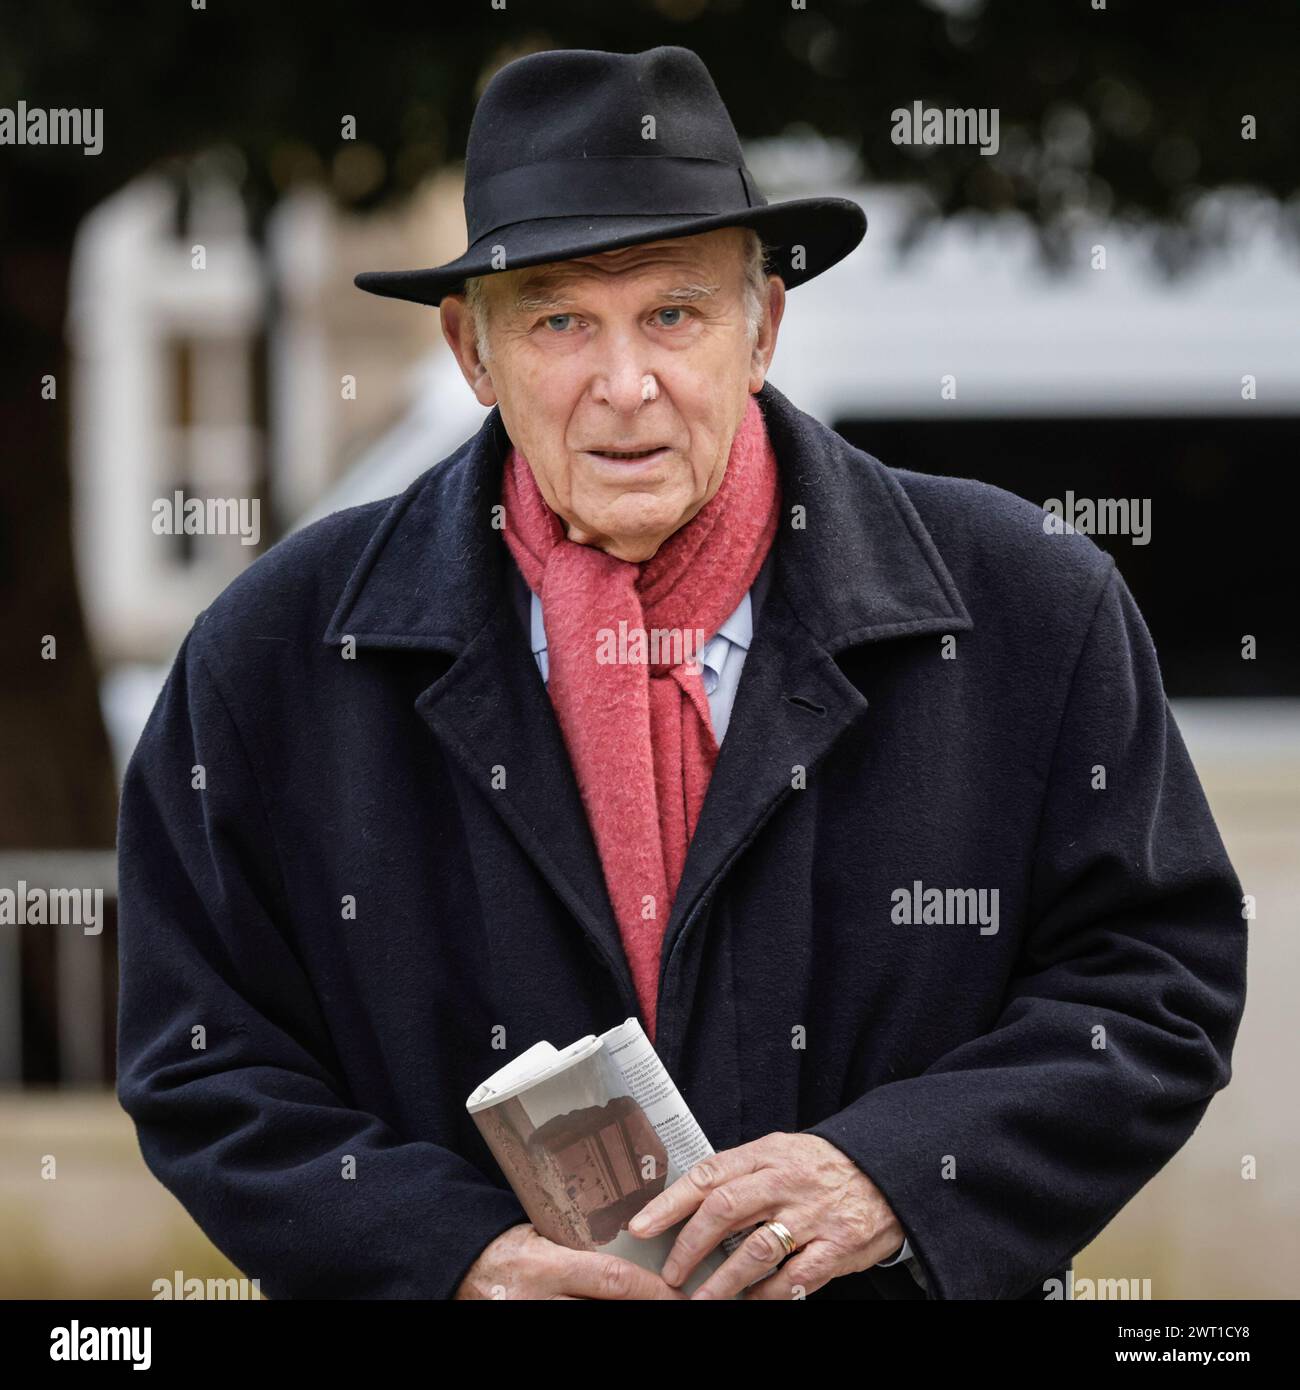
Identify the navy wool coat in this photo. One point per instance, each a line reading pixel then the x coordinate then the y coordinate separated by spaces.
pixel 356 877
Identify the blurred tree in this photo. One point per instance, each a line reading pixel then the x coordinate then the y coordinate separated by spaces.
pixel 1129 109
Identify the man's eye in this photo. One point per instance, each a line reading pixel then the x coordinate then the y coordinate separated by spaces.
pixel 559 322
pixel 672 309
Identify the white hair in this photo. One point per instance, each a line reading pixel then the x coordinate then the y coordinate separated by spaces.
pixel 755 253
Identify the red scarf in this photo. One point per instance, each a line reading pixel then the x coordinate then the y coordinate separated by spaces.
pixel 638 731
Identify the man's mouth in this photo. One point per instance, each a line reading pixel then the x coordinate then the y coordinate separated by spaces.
pixel 628 455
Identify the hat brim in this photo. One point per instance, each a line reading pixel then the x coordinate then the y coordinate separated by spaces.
pixel 822 230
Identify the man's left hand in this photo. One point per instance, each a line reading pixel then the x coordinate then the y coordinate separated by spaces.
pixel 837 1216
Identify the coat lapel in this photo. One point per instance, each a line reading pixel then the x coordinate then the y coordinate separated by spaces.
pixel 435 577
pixel 854 564
pixel 492 711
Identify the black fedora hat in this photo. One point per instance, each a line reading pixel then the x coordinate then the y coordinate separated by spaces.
pixel 576 151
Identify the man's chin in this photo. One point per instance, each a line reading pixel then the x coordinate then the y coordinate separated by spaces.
pixel 634 547
pixel 635 537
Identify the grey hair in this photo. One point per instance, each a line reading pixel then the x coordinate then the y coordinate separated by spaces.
pixel 756 255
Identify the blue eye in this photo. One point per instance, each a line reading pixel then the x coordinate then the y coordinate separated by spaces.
pixel 671 309
pixel 562 318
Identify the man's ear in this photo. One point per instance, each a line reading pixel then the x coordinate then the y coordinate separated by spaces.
pixel 458 330
pixel 768 328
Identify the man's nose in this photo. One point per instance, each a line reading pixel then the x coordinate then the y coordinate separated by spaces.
pixel 625 379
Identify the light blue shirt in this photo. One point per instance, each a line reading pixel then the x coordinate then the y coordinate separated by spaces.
pixel 720 662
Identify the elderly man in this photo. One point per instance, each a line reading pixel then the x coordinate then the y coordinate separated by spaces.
pixel 924 911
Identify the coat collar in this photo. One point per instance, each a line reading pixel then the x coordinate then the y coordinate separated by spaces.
pixel 857 564
pixel 854 564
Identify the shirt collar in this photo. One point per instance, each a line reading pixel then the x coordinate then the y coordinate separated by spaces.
pixel 739 627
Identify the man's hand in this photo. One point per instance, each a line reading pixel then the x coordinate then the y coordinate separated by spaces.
pixel 519 1263
pixel 837 1216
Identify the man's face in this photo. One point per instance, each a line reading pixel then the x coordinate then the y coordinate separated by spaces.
pixel 642 351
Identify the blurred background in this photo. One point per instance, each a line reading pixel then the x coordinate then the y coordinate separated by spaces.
pixel 1115 292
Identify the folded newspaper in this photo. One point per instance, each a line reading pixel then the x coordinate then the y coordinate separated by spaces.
pixel 590 1134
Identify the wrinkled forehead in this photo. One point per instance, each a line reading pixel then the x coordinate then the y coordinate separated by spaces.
pixel 689 268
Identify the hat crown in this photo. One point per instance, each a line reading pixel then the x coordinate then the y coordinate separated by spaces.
pixel 584 103
pixel 573 152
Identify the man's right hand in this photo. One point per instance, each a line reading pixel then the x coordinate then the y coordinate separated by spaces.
pixel 519 1263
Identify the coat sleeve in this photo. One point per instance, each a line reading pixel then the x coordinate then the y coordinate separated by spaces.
pixel 224 1058
pixel 907 1260
pixel 1011 1152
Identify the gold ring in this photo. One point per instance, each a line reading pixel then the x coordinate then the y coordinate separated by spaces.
pixel 782 1234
